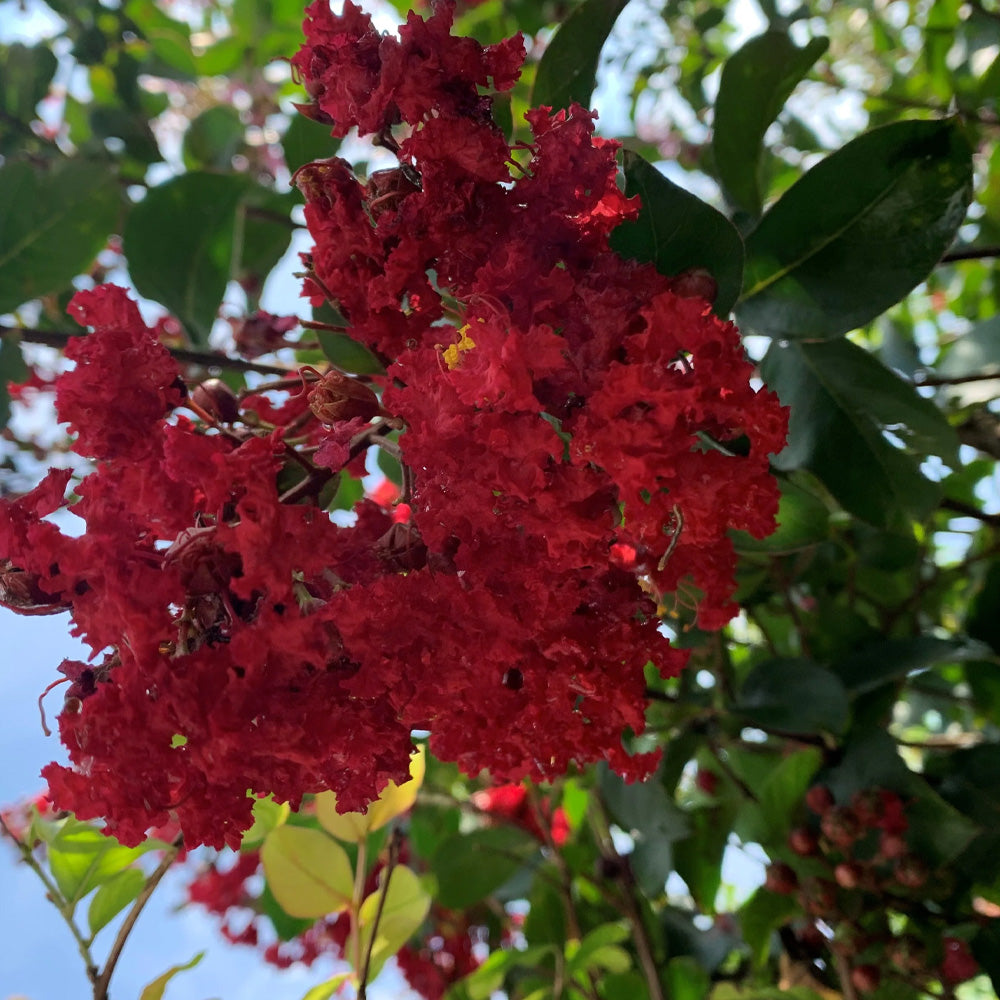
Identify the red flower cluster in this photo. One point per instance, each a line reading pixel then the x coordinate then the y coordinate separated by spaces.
pixel 577 442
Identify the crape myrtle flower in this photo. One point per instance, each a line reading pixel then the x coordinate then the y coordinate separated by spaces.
pixel 577 440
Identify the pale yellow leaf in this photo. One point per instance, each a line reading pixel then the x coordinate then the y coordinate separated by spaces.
pixel 308 873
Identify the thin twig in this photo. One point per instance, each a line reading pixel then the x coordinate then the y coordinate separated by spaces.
pixel 643 945
pixel 104 980
pixel 390 867
pixel 207 359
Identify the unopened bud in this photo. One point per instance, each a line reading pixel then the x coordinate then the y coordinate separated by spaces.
pixel 217 400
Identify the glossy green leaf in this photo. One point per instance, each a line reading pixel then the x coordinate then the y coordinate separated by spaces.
pixel 305 141
pixel 112 897
pixel 155 990
pixel 308 872
pixel 53 222
pixel 843 404
pixel 213 138
pixel 756 81
pixel 599 950
pixel 27 73
pixel 676 232
pixel 794 695
pixel 179 244
pixel 857 232
pixel 698 858
pixel 894 659
pixel 470 866
pixel 264 230
pixel 568 68
pixel 399 915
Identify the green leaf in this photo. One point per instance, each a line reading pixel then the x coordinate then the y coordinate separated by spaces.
pixel 347 354
pixel 568 69
pixel 179 245
pixel 154 991
pixel 779 794
pixel 803 521
pixel 894 659
pixel 858 231
pixel 112 897
pixel 406 904
pixel 794 695
pixel 52 224
pixel 676 232
pixel 268 815
pixel 756 81
pixel 760 916
pixel 12 370
pixel 169 39
pixel 81 857
pixel 213 138
pixel 469 866
pixel 27 74
pixel 698 858
pixel 974 353
pixel 686 979
pixel 131 127
pixel 843 402
pixel 305 141
pixel 324 991
pixel 308 872
pixel 265 227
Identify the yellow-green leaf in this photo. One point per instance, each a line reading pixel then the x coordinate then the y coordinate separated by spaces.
pixel 323 991
pixel 267 816
pixel 394 801
pixel 406 904
pixel 308 873
pixel 154 991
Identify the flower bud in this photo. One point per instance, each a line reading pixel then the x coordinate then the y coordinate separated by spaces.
pixel 336 398
pixel 781 878
pixel 217 400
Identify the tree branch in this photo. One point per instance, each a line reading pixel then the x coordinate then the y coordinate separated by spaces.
pixel 207 359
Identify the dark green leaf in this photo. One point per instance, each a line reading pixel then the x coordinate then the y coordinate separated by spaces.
pixel 796 696
pixel 27 73
pixel 113 896
pixel 986 950
pixel 131 127
pixel 698 858
pixel 179 244
pixel 469 866
pixel 568 68
pixel 858 231
pixel 213 138
pixel 52 224
pixel 305 141
pixel 894 659
pixel 803 520
pixel 843 402
pixel 676 231
pixel 347 354
pixel 756 81
pixel 12 370
pixel 983 618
